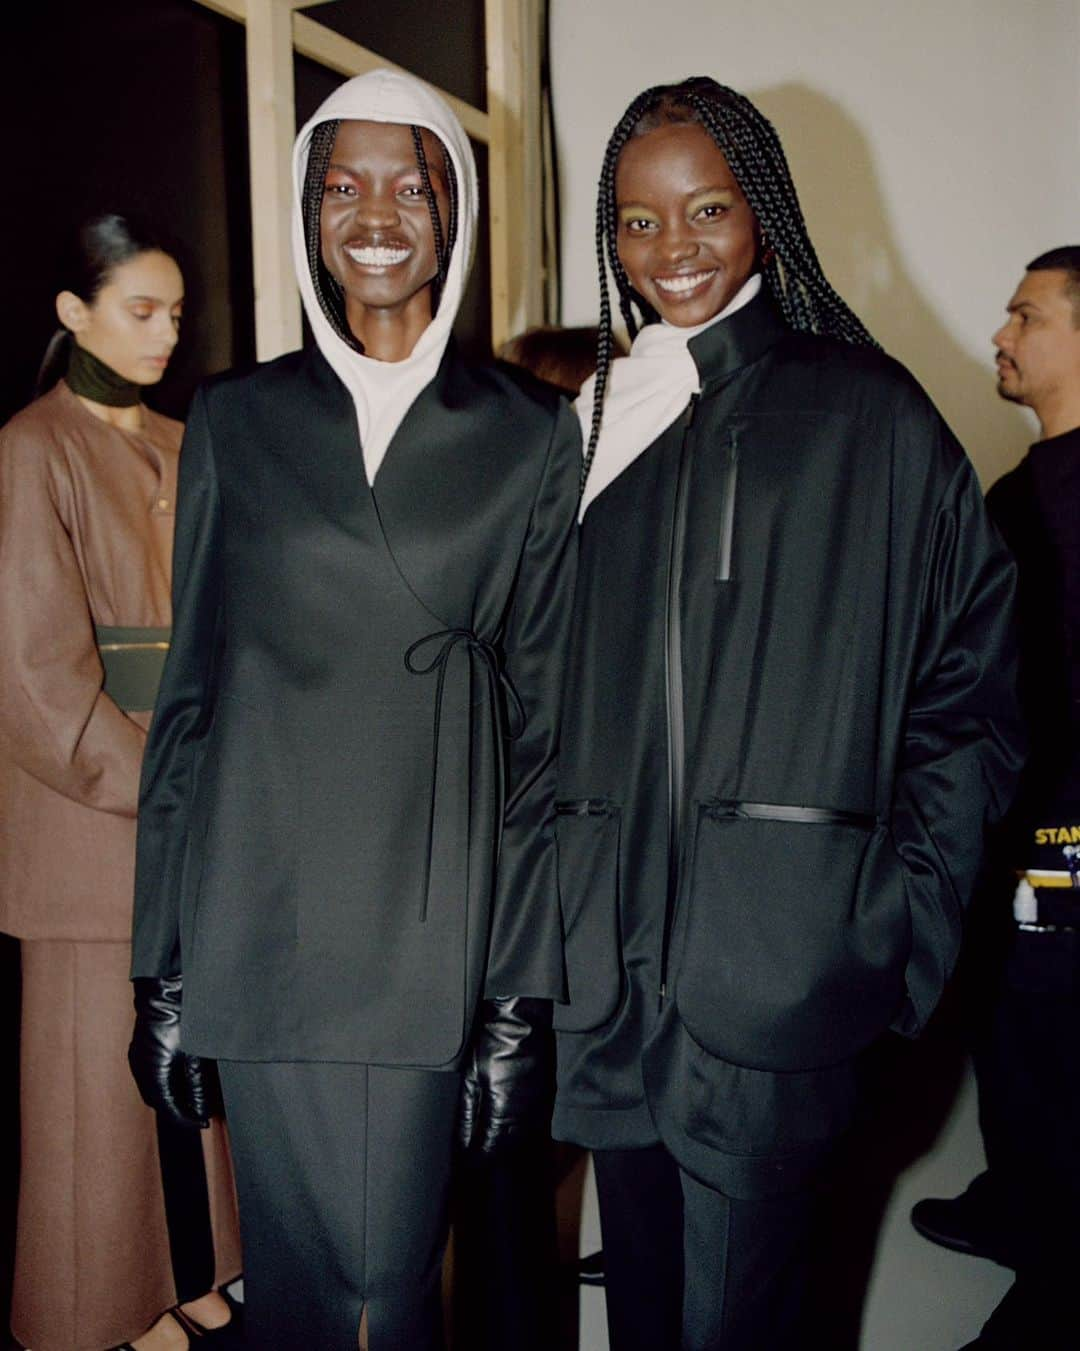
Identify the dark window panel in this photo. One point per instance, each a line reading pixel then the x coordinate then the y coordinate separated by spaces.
pixel 441 43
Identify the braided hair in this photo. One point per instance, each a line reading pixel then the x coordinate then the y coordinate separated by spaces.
pixel 328 289
pixel 749 143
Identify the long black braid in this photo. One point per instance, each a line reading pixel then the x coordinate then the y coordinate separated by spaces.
pixel 327 289
pixel 756 158
pixel 441 253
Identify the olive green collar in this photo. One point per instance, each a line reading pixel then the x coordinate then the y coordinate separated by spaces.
pixel 91 379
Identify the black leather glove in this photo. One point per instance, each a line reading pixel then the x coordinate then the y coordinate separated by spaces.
pixel 509 1075
pixel 184 1087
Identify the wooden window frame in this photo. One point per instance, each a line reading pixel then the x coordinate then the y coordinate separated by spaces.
pixel 510 128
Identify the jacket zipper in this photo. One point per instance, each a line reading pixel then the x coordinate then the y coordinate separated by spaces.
pixel 727 510
pixel 673 685
pixel 774 811
pixel 584 806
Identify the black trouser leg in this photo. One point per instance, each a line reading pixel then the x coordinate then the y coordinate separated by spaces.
pixel 687 1267
pixel 641 1221
pixel 505 1251
pixel 746 1270
pixel 187 1208
pixel 1030 1092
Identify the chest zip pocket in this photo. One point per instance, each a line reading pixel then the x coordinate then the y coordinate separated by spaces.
pixel 729 477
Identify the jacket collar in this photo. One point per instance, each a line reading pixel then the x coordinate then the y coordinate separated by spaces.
pixel 738 340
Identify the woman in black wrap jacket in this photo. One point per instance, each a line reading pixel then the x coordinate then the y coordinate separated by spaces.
pixel 346 854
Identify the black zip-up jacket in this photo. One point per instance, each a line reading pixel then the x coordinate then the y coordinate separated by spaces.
pixel 790 717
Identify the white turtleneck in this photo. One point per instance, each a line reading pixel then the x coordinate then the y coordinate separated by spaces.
pixel 646 392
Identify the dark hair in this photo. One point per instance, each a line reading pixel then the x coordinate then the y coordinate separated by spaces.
pixel 564 357
pixel 756 158
pixel 327 289
pixel 1067 260
pixel 98 246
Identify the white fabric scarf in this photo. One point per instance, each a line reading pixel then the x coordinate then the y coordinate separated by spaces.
pixel 384 391
pixel 646 392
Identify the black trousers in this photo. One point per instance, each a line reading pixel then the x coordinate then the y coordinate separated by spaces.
pixel 1027 1065
pixel 343 1174
pixel 506 1250
pixel 187 1209
pixel 687 1267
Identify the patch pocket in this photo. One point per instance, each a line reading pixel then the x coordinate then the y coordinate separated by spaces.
pixel 797 934
pixel 587 840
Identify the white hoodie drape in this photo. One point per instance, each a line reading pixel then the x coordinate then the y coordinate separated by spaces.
pixel 383 391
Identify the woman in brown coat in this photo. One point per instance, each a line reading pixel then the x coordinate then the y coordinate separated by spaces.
pixel 120 1217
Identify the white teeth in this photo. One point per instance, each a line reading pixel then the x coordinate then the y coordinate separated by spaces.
pixel 680 284
pixel 378 257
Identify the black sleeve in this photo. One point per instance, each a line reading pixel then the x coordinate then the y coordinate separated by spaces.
pixel 525 955
pixel 963 745
pixel 184 707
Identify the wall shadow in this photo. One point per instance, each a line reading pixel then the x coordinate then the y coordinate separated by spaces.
pixel 840 191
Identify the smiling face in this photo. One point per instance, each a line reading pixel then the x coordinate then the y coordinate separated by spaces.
pixel 376 234
pixel 133 322
pixel 685 233
pixel 1038 346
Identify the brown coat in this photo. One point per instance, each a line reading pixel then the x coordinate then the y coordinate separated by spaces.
pixel 86 523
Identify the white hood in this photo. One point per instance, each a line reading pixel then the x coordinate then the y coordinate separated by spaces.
pixel 384 391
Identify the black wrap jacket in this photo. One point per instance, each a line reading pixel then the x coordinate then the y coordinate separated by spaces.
pixel 790 716
pixel 358 713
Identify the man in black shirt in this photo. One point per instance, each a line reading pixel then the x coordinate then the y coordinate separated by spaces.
pixel 1025 1210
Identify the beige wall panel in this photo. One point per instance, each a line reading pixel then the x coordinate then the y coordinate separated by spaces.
pixel 515 167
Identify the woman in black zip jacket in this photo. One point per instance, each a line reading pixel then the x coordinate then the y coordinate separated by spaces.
pixel 789 719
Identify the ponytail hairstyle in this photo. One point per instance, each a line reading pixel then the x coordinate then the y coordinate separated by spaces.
pixel 327 288
pixel 789 263
pixel 98 246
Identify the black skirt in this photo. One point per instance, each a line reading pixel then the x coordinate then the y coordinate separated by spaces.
pixel 343 1173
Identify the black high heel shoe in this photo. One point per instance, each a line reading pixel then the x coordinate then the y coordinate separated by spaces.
pixel 198 1333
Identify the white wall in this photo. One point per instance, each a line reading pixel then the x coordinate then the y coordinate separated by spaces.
pixel 935 145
